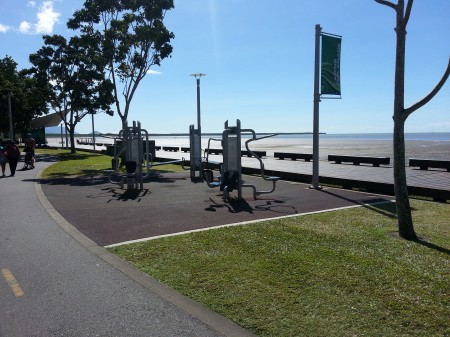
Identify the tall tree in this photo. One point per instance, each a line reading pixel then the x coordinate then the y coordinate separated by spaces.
pixel 404 217
pixel 133 38
pixel 28 99
pixel 74 73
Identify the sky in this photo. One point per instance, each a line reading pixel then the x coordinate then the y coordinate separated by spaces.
pixel 258 57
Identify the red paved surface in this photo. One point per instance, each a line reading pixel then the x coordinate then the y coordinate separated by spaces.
pixel 171 203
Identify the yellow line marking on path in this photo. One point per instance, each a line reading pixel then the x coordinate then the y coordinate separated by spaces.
pixel 12 282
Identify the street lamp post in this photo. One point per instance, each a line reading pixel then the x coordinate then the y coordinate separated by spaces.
pixel 196 135
pixel 197 77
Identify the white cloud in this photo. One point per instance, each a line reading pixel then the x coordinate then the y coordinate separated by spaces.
pixel 4 28
pixel 153 72
pixel 47 18
pixel 24 27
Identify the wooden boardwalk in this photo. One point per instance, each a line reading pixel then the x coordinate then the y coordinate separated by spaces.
pixel 433 183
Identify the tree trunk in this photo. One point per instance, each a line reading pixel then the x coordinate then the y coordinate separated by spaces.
pixel 405 222
pixel 72 139
pixel 404 217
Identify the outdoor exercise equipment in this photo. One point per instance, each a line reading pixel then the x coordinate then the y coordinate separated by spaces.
pixel 230 169
pixel 131 148
pixel 195 152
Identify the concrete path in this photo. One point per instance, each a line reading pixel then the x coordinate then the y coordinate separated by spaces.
pixel 56 282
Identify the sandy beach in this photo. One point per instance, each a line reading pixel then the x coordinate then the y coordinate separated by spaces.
pixel 438 148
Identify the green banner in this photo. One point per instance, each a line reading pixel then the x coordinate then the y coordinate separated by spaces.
pixel 331 65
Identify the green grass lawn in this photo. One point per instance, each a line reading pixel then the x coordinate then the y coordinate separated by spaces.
pixel 85 163
pixel 342 273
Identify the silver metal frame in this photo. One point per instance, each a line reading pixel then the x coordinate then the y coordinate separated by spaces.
pixel 132 139
pixel 232 162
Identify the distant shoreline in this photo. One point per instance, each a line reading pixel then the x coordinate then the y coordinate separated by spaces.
pixel 409 136
pixel 259 133
pixel 180 134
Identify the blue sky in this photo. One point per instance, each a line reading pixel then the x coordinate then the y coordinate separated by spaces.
pixel 259 57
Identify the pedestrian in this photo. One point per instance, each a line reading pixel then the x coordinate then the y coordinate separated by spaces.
pixel 30 144
pixel 2 160
pixel 13 154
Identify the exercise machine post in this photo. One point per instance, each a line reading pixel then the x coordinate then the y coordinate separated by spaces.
pixel 196 165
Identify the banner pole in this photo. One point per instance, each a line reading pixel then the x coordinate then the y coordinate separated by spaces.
pixel 315 173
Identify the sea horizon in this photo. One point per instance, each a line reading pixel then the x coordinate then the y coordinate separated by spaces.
pixel 426 136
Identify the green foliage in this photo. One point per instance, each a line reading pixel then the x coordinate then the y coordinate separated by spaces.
pixel 28 99
pixel 341 273
pixel 132 38
pixel 73 73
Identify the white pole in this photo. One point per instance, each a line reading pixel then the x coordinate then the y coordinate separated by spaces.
pixel 315 173
pixel 62 137
pixel 93 131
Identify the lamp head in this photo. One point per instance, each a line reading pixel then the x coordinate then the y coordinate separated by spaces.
pixel 197 76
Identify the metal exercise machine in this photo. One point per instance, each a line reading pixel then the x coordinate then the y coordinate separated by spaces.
pixel 129 150
pixel 196 164
pixel 230 177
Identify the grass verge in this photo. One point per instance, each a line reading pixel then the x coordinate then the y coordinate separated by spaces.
pixel 339 273
pixel 85 163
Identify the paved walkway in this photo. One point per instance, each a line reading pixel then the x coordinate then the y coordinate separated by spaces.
pixel 57 282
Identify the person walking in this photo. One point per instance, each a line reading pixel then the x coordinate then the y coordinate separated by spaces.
pixel 30 144
pixel 2 160
pixel 13 154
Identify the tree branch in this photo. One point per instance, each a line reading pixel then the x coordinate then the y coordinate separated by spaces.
pixel 433 93
pixel 387 3
pixel 408 12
